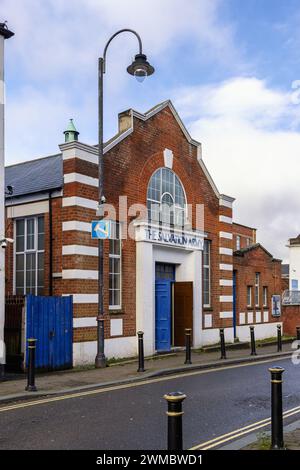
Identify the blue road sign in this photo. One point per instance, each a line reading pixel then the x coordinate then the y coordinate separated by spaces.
pixel 101 229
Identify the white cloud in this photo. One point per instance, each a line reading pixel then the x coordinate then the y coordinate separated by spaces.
pixel 250 154
pixel 52 61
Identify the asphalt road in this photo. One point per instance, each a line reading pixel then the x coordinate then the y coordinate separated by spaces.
pixel 218 402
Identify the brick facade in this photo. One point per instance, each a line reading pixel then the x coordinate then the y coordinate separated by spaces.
pixel 248 262
pixel 128 166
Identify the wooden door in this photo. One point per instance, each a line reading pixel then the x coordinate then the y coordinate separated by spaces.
pixel 183 310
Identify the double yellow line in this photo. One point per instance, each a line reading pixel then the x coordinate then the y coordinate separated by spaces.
pixel 217 441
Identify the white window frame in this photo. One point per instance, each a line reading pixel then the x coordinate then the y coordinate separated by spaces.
pixel 35 251
pixel 162 194
pixel 238 242
pixel 208 268
pixel 257 287
pixel 114 256
pixel 265 296
pixel 249 295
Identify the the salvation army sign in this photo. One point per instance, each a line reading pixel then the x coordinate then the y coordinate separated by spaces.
pixel 176 238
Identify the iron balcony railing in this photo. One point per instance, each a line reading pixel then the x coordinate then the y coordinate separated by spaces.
pixel 291 297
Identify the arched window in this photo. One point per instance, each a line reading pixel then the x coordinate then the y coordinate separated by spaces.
pixel 166 202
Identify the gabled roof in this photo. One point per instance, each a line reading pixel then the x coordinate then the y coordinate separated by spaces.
pixel 35 176
pixel 46 173
pixel 152 112
pixel 249 248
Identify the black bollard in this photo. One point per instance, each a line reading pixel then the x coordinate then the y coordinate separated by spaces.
pixel 279 342
pixel 188 337
pixel 174 414
pixel 223 347
pixel 253 347
pixel 141 351
pixel 276 408
pixel 31 366
pixel 298 336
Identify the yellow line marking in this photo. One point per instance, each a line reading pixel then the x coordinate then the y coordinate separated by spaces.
pixel 242 431
pixel 131 385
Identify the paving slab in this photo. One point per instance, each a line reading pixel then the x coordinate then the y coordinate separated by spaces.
pixel 124 372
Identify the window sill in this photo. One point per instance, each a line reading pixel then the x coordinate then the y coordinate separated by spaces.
pixel 114 311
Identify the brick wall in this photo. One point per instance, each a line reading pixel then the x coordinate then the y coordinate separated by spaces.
pixel 291 319
pixel 247 235
pixel 254 261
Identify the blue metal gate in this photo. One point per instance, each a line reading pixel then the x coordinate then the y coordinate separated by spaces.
pixel 163 315
pixel 50 321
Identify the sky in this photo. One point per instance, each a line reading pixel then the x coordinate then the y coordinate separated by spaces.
pixel 231 68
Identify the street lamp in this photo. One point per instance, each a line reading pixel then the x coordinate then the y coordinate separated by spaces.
pixel 140 68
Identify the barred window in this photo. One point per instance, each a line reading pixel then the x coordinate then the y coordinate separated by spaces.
pixel 166 202
pixel 29 255
pixel 207 274
pixel 115 273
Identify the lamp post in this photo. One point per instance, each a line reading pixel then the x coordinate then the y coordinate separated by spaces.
pixel 140 68
pixel 5 33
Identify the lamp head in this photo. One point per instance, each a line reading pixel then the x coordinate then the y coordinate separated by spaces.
pixel 140 68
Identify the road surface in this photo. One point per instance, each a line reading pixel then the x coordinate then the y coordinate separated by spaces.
pixel 218 401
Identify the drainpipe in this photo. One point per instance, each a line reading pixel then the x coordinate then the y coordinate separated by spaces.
pixel 4 34
pixel 50 246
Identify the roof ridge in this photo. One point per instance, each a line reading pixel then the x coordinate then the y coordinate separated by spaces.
pixel 34 160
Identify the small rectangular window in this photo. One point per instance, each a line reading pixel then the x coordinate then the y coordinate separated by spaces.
pixel 207 274
pixel 238 242
pixel 257 282
pixel 265 296
pixel 249 296
pixel 115 272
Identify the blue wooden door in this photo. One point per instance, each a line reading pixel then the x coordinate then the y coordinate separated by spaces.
pixel 50 321
pixel 163 315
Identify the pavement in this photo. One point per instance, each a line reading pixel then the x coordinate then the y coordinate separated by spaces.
pixel 262 440
pixel 126 372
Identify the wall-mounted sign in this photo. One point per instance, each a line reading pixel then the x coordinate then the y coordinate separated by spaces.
pixel 276 305
pixel 175 238
pixel 101 229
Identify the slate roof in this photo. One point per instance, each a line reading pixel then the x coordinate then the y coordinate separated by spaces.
pixel 35 176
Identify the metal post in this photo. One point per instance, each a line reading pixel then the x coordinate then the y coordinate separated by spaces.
pixel 188 354
pixel 279 342
pixel 298 336
pixel 253 347
pixel 223 347
pixel 175 414
pixel 141 351
pixel 276 408
pixel 31 366
pixel 5 34
pixel 100 360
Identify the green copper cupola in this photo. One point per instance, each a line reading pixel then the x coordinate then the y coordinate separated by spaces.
pixel 71 132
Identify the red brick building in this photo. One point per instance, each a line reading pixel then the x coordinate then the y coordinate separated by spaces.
pixel 172 271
